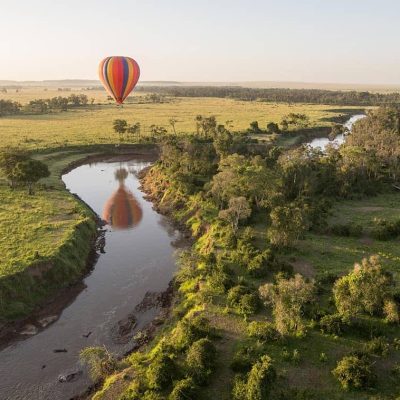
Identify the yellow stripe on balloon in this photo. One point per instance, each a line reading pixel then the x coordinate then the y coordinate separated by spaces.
pixel 109 75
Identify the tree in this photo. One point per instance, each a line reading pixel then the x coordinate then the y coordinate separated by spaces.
pixel 365 289
pixel 272 127
pixel 157 130
pixel 120 126
pixel 29 172
pixel 134 129
pixel 172 122
pixel 254 128
pixel 287 224
pixel 206 126
pixel 239 209
pixel 9 158
pixel 288 298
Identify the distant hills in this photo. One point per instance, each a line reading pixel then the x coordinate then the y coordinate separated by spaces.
pixel 62 83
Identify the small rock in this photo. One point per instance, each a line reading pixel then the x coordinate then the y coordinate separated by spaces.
pixel 47 320
pixel 29 330
pixel 69 377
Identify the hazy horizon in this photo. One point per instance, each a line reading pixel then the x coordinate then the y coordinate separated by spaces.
pixel 231 41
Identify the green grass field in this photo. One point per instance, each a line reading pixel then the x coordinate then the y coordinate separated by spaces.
pixel 93 124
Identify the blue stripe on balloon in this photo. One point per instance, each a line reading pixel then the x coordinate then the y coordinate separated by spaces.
pixel 126 75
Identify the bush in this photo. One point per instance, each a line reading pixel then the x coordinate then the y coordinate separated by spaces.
pixel 354 372
pixel 200 360
pixel 347 230
pixel 391 312
pixel 377 346
pixel 160 372
pixel 191 329
pixel 219 279
pixel 385 230
pixel 150 395
pixel 260 379
pixel 99 361
pixel 333 324
pixel 248 305
pixel 241 362
pixel 239 391
pixel 263 331
pixel 235 294
pixel 184 389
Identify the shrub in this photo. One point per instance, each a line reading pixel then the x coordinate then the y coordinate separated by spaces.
pixel 239 391
pixel 99 360
pixel 347 230
pixel 260 379
pixel 333 324
pixel 323 357
pixel 263 331
pixel 200 360
pixel 219 280
pixel 377 346
pixel 248 305
pixel 235 294
pixel 151 395
pixel 161 372
pixel 385 230
pixel 296 356
pixel 241 362
pixel 354 372
pixel 184 389
pixel 391 312
pixel 191 329
pixel 396 370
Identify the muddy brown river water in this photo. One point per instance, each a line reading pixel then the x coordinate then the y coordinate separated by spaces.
pixel 138 258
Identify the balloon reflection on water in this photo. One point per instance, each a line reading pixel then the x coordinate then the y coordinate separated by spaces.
pixel 122 210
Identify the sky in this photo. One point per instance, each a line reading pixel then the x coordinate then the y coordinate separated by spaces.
pixel 338 41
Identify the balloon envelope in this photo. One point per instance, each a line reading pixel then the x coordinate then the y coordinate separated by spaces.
pixel 119 75
pixel 122 211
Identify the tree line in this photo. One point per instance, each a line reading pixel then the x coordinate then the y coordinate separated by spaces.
pixel 42 106
pixel 313 96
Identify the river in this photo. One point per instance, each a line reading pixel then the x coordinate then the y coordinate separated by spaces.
pixel 138 257
pixel 339 139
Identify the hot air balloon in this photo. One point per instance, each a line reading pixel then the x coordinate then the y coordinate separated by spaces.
pixel 122 210
pixel 119 75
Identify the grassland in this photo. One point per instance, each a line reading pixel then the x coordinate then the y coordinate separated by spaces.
pixel 93 124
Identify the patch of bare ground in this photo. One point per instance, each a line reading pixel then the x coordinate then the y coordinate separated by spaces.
pixel 370 208
pixel 367 241
pixel 307 376
pixel 304 268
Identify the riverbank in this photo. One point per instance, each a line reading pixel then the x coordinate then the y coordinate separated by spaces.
pixel 50 238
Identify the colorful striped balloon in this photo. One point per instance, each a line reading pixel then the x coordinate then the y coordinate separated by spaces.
pixel 119 75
